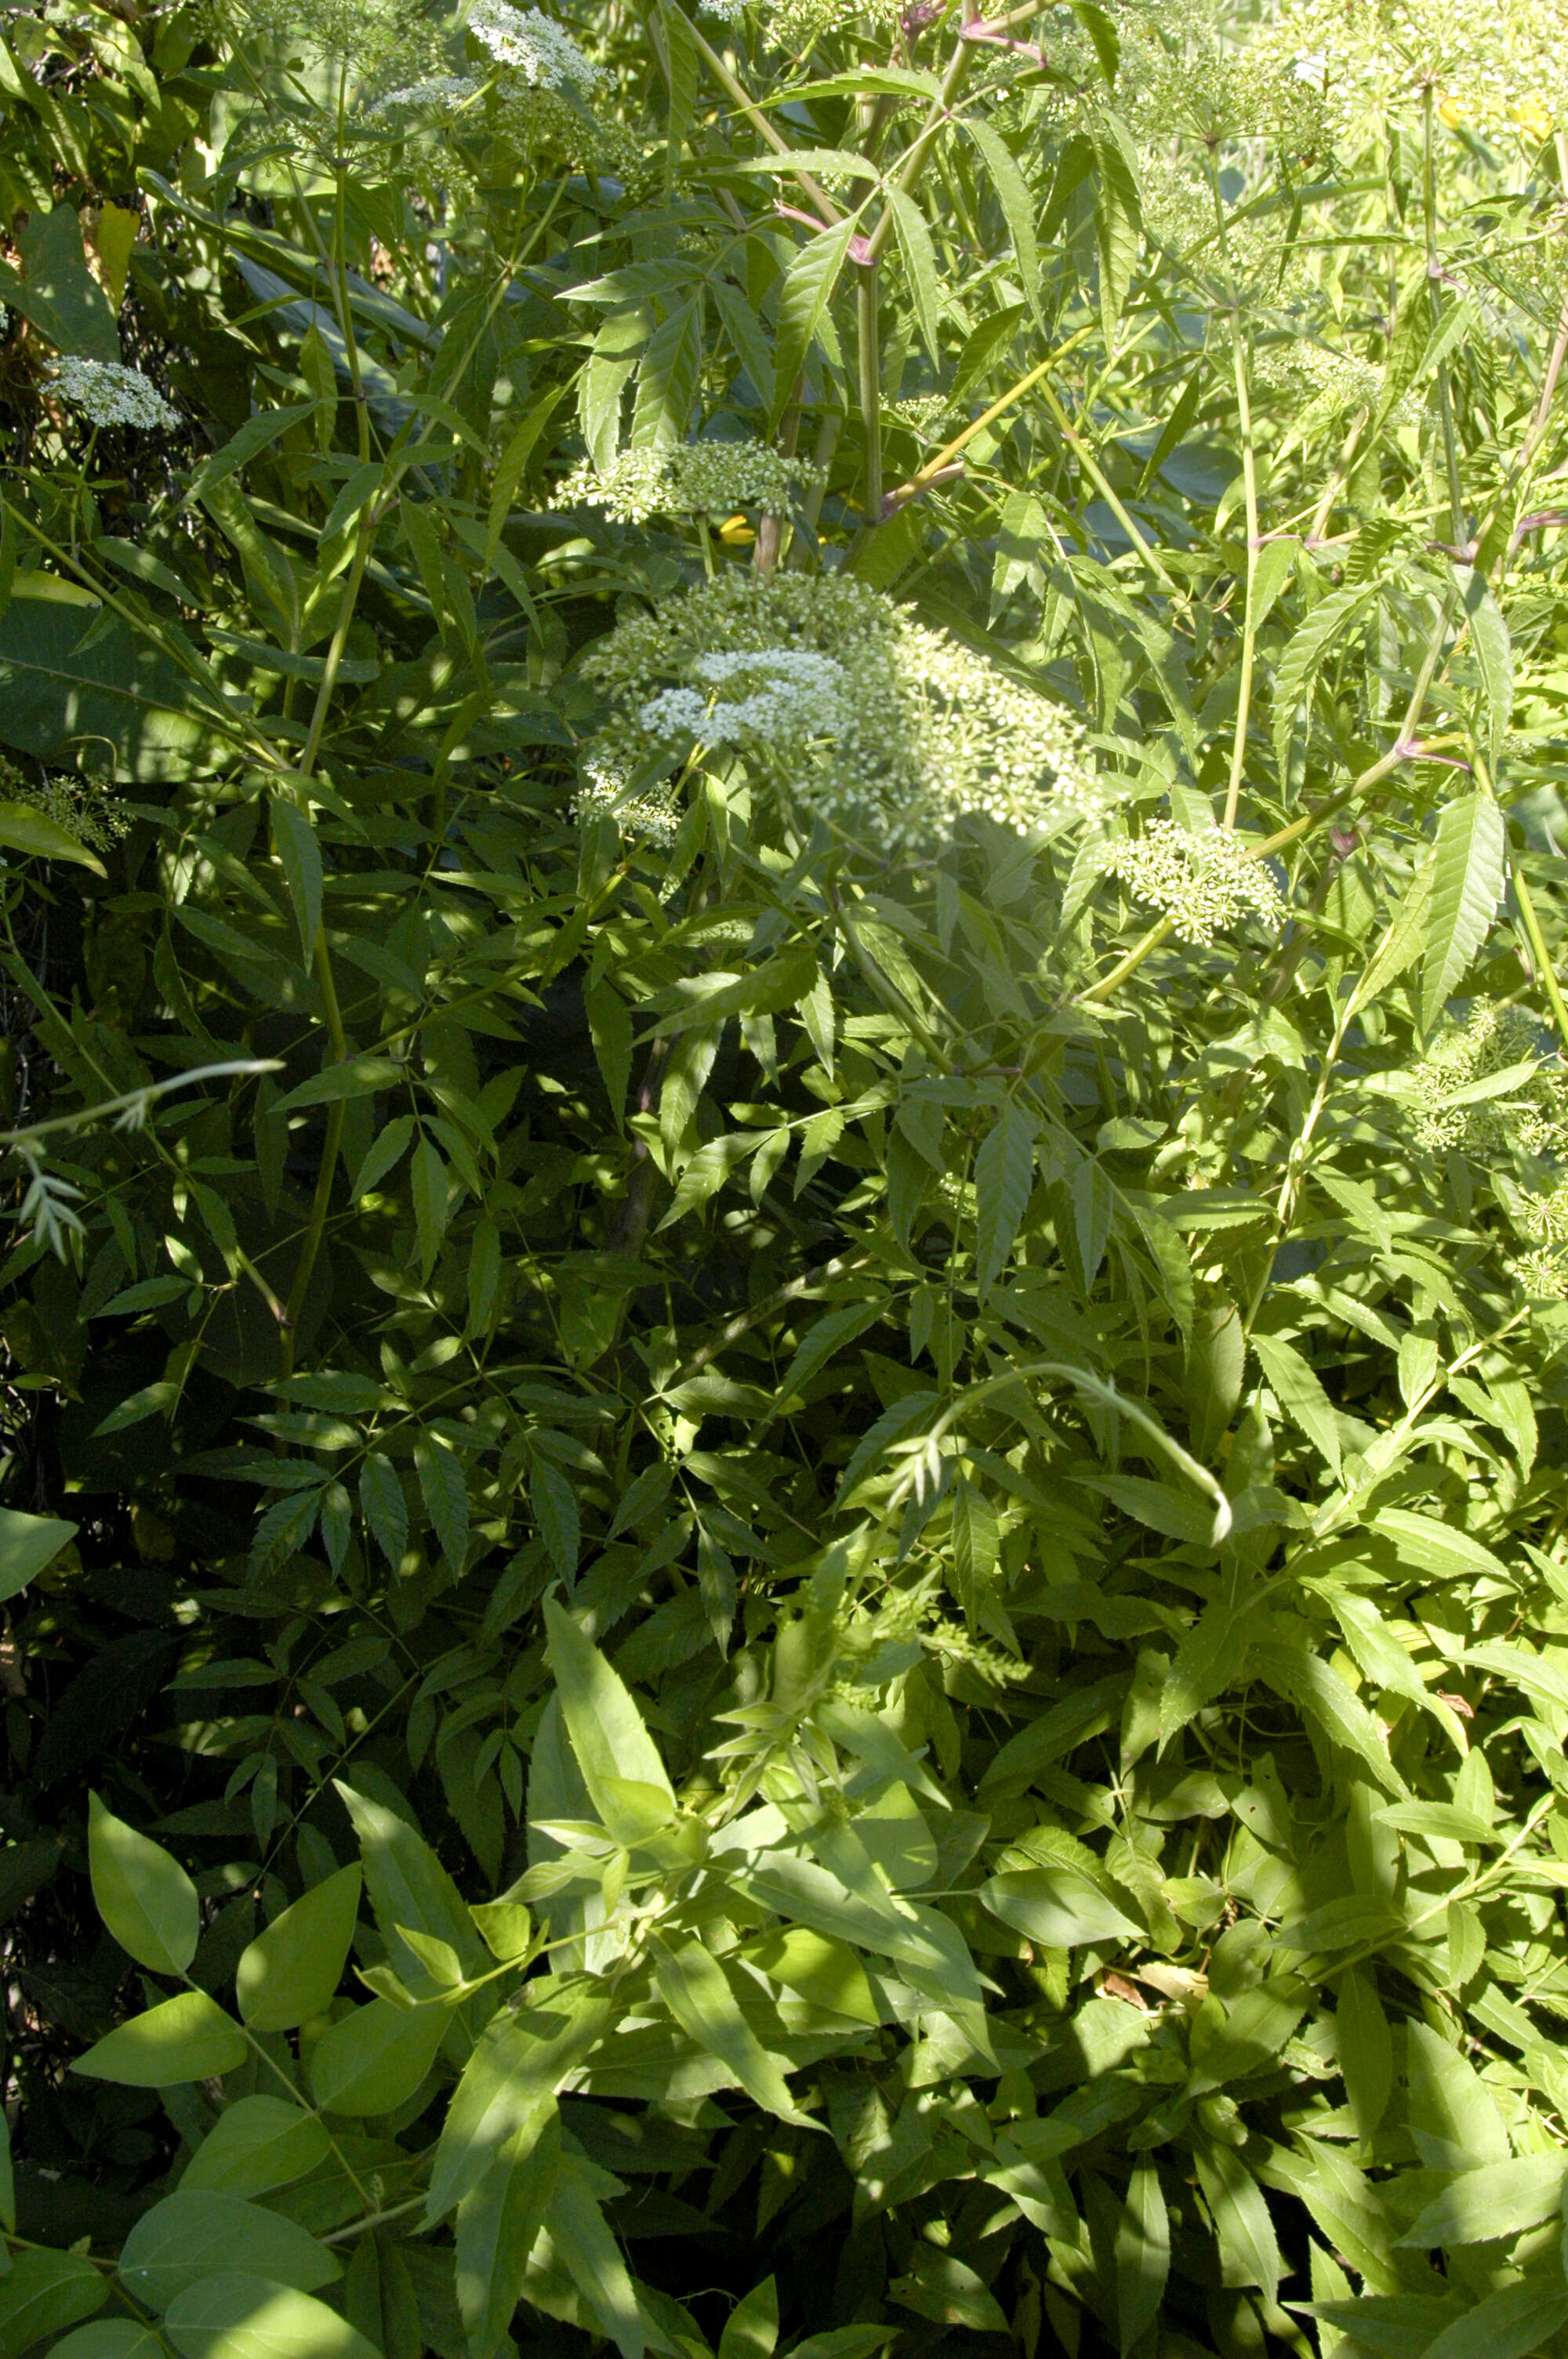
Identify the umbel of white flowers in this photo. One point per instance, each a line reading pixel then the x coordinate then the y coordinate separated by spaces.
pixel 840 702
pixel 533 43
pixel 1203 882
pixel 109 394
pixel 710 479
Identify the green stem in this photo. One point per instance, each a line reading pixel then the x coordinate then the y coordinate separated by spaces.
pixel 1435 297
pixel 868 315
pixel 1544 967
pixel 1249 619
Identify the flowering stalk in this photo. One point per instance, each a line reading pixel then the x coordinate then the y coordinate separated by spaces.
pixel 1250 617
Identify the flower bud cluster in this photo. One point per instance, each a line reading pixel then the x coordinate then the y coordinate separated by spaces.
pixel 108 395
pixel 1542 1276
pixel 95 818
pixel 795 24
pixel 1204 882
pixel 1337 384
pixel 709 479
pixel 852 712
pixel 1533 1118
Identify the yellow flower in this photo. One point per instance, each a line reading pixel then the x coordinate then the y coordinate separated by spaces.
pixel 736 531
pixel 1454 109
pixel 1532 116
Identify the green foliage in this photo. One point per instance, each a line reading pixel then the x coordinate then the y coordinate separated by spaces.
pixel 783 1072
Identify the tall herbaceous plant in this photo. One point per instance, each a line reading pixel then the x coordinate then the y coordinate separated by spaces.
pixel 786 1157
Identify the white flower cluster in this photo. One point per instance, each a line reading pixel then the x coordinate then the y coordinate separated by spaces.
pixel 1545 1218
pixel 1500 72
pixel 711 479
pixel 547 58
pixel 798 694
pixel 1533 1118
pixel 1338 385
pixel 439 95
pixel 854 713
pixel 605 793
pixel 1542 1276
pixel 1184 69
pixel 1204 882
pixel 109 394
pixel 795 24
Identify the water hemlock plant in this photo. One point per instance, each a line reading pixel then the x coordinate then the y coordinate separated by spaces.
pixel 782 1539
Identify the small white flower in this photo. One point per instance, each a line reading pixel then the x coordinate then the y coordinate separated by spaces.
pixel 1202 882
pixel 1312 67
pixel 109 394
pixel 445 91
pixel 542 54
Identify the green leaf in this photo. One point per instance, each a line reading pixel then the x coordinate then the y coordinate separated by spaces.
pixel 1295 1386
pixel 383 1506
pixel 1366 2049
pixel 257 2143
pixel 43 2293
pixel 7 2179
pixel 582 2238
pixel 1467 878
pixel 1249 2251
pixel 826 1971
pixel 1513 2323
pixel 1004 1171
pixel 1496 2199
pixel 59 294
pixel 942 2288
pixel 1142 2255
pixel 445 1493
pixel 408 1886
pixel 1007 178
pixel 299 856
pixel 808 291
pixel 553 1502
pixel 1119 225
pixel 25 830
pixel 231 2316
pixel 1493 651
pixel 497 2224
pixel 751 2328
pixel 187 2039
pixel 607 1732
pixel 1309 649
pixel 291 1970
pixel 69 679
pixel 190 2234
pixel 109 2338
pixel 1057 1908
pixel 609 1029
pixel 519 2061
pixel 143 1893
pixel 29 1546
pixel 694 1986
pixel 920 268
pixel 372 2061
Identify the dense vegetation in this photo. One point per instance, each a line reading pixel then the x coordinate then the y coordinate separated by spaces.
pixel 784 1403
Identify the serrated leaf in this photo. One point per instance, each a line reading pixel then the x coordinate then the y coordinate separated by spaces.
pixel 443 1489
pixel 1467 878
pixel 1296 1387
pixel 1004 1173
pixel 808 291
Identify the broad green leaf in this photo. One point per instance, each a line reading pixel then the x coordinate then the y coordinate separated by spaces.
pixel 1496 2199
pixel 408 1886
pixel 751 2328
pixel 299 856
pixel 1004 1171
pixel 445 1493
pixel 256 2144
pixel 1249 2250
pixel 1324 628
pixel 69 679
pixel 29 1546
pixel 1142 2255
pixel 807 292
pixel 520 2059
pixel 1300 1394
pixel 583 2239
pixel 942 2287
pixel 1366 2049
pixel 372 2061
pixel 607 1732
pixel 231 2316
pixel 109 2338
pixel 1494 656
pixel 826 1971
pixel 497 2224
pixel 190 2234
pixel 143 1893
pixel 187 2039
pixel 43 2293
pixel 29 831
pixel 291 1970
pixel 1512 2323
pixel 1467 878
pixel 57 293
pixel 1057 1908
pixel 694 1986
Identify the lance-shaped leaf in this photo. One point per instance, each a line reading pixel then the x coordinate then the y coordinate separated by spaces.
pixel 694 1987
